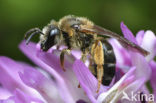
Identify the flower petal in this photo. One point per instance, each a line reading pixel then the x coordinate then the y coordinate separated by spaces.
pixel 127 33
pixel 133 87
pixel 21 97
pixel 43 85
pixel 24 98
pixel 9 75
pixel 149 44
pixel 139 36
pixel 31 51
pixel 142 67
pixel 153 77
pixel 69 77
pixel 4 93
pixel 87 81
pixel 122 56
pixel 107 96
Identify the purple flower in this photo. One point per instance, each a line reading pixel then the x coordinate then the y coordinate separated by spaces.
pixel 129 61
pixel 48 83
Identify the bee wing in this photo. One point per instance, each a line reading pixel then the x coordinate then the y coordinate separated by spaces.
pixel 123 41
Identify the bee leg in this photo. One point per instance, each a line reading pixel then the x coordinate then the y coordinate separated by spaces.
pixel 92 66
pixel 57 47
pixel 97 71
pixel 79 86
pixel 99 76
pixel 84 57
pixel 63 52
pixel 98 57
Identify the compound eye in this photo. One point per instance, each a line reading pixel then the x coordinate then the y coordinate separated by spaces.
pixel 54 32
pixel 76 27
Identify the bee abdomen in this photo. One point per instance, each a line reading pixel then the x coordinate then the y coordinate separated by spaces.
pixel 109 63
pixel 109 72
pixel 109 56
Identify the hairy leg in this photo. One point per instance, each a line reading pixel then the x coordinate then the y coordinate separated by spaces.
pixel 98 57
pixel 63 52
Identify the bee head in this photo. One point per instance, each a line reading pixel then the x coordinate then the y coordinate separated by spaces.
pixel 49 39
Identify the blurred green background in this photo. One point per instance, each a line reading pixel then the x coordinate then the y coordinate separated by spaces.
pixel 18 16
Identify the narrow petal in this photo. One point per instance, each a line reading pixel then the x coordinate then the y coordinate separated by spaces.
pixel 21 97
pixel 122 56
pixel 139 36
pixel 109 95
pixel 4 93
pixel 8 100
pixel 149 44
pixel 127 33
pixel 118 74
pixel 9 76
pixel 133 87
pixel 45 87
pixel 143 69
pixel 127 82
pixel 24 98
pixel 88 82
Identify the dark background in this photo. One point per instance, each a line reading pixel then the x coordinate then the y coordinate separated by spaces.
pixel 18 16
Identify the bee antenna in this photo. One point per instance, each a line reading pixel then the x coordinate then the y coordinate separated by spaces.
pixel 33 32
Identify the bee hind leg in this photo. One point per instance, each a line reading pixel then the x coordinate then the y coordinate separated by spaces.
pixel 63 52
pixel 99 76
pixel 98 57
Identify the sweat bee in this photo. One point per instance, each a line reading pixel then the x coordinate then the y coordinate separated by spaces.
pixel 82 34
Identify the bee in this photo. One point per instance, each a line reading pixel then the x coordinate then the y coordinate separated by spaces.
pixel 82 34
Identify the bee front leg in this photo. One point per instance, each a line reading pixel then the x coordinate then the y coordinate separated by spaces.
pixel 63 52
pixel 98 57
